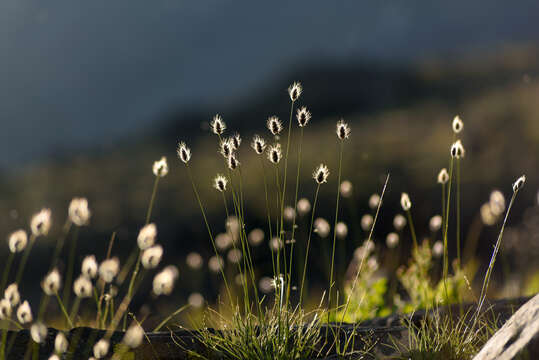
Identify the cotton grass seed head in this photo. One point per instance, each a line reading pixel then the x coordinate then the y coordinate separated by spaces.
pixel 24 313
pixel 342 230
pixel 399 222
pixel 265 284
pixel 457 150
pixel 83 287
pixel 163 282
pixel 194 260
pixel 258 144
pixel 322 227
pixel 374 200
pixel 60 343
pixel 235 141
pixel 405 202
pixel 304 206
pixel 101 348
pixel 133 336
pixel 184 153
pixel 497 203
pixel 108 269
pixel 56 357
pixel 223 241
pixel 487 217
pixel 275 126
pixel 233 162
pixel 79 213
pixel 435 223
pixel 438 249
pixel 443 176
pixel 274 153
pixel 196 300
pixel 256 237
pixel 89 267
pixel 275 243
pixel 38 331
pixel 146 236
pixel 160 167
pixel 5 309
pixel 295 91
pixel 303 115
pixel 320 174
pixel 12 294
pixel 217 125
pixel 392 240
pixel 289 213
pixel 17 241
pixel 220 182
pixel 519 183
pixel 346 189
pixel 41 222
pixel 343 130
pixel 234 256
pixel 457 124
pixel 225 148
pixel 215 263
pixel 51 283
pixel 366 222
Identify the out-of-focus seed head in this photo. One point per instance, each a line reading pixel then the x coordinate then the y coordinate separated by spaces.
pixel 217 125
pixel 89 267
pixel 304 206
pixel 38 332
pixel 160 167
pixel 405 202
pixel 256 237
pixel 457 150
pixel 184 153
pixel 374 200
pixel 194 260
pixel 79 213
pixel 17 241
pixel 295 91
pixel 274 153
pixel 320 174
pixel 109 269
pixel 399 222
pixel 303 116
pixel 487 217
pixel 443 176
pixel 519 183
pixel 275 126
pixel 233 162
pixel 151 257
pixel 343 130
pixel 342 230
pixel 392 240
pixel 12 294
pixel 133 336
pixel 196 300
pixel 438 249
pixel 346 189
pixel 235 141
pixel 457 124
pixel 234 256
pixel 365 250
pixel 51 283
pixel 275 243
pixel 497 203
pixel 60 343
pixel 225 148
pixel 56 357
pixel 258 145
pixel 289 213
pixel 83 287
pixel 435 223
pixel 220 182
pixel 5 309
pixel 215 263
pixel 101 348
pixel 322 227
pixel 265 284
pixel 163 282
pixel 223 241
pixel 146 236
pixel 41 222
pixel 366 222
pixel 24 313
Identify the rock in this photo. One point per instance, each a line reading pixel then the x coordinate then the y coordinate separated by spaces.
pixel 519 336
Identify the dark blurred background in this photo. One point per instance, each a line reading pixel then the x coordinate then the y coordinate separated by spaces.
pixel 91 93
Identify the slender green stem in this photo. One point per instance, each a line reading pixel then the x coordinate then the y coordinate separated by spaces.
pixel 60 243
pixel 268 213
pixel 70 266
pixel 132 282
pixel 458 212
pixel 7 268
pixel 446 260
pixel 22 264
pixel 335 224
pixel 64 311
pixel 167 319
pixel 75 309
pixel 152 200
pixel 412 229
pixel 308 245
pixel 444 215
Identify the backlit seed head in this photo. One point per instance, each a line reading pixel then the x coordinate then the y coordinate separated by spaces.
pixel 160 167
pixel 405 202
pixel 438 249
pixel 265 284
pixel 322 227
pixel 133 336
pixel 234 256
pixel 215 263
pixel 343 130
pixel 146 236
pixel 5 309
pixel 289 213
pixel 41 222
pixel 374 200
pixel 320 174
pixel 366 222
pixel 194 260
pixel 497 203
pixel 346 189
pixel 89 267
pixel 457 150
pixel 275 126
pixel 517 185
pixel 24 313
pixel 435 223
pixel 108 269
pixel 51 283
pixel 56 357
pixel 79 213
pixel 217 125
pixel 304 206
pixel 17 241
pixel 399 222
pixel 196 300
pixel 274 153
pixel 258 145
pixel 457 124
pixel 60 343
pixel 219 182
pixel 12 294
pixel 101 348
pixel 443 176
pixel 184 153
pixel 223 241
pixel 303 115
pixel 235 141
pixel 275 243
pixel 392 240
pixel 163 282
pixel 83 287
pixel 341 229
pixel 38 331
pixel 487 217
pixel 225 147
pixel 295 91
pixel 233 162
pixel 256 237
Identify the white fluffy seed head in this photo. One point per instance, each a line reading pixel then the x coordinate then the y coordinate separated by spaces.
pixel 17 241
pixel 233 162
pixel 79 213
pixel 89 267
pixel 320 174
pixel 163 282
pixel 256 237
pixel 12 294
pixel 374 200
pixel 196 299
pixel 60 343
pixel 443 176
pixel 24 313
pixel 304 206
pixel 5 309
pixel 215 263
pixel 457 124
pixel 225 148
pixel 194 260
pixel 133 336
pixel 343 130
pixel 274 153
pixel 223 241
pixel 258 144
pixel 41 222
pixel 101 348
pixel 51 283
pixel 341 229
pixel 322 227
pixel 146 236
pixel 38 331
pixel 217 125
pixel 487 217
pixel 56 357
pixel 160 167
pixel 457 150
pixel 405 202
pixel 303 115
pixel 234 256
pixel 83 287
pixel 435 223
pixel 275 126
pixel 519 183
pixel 151 257
pixel 399 222
pixel 184 153
pixel 497 203
pixel 289 213
pixel 220 182
pixel 438 249
pixel 366 222
pixel 392 240
pixel 108 269
pixel 235 141
pixel 295 91
pixel 275 243
pixel 346 189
